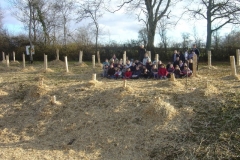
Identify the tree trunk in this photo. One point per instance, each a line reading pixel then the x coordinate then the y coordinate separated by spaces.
pixel 30 30
pixel 209 36
pixel 151 35
pixel 41 19
pixel 96 39
pixel 34 25
pixel 209 27
pixel 64 31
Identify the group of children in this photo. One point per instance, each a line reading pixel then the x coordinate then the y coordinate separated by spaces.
pixel 114 69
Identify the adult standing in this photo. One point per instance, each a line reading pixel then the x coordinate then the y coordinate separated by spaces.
pixel 114 58
pixel 141 53
pixel 174 56
pixel 181 56
pixel 196 50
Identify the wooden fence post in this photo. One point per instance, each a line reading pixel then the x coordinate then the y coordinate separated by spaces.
pixel 94 76
pixel 172 77
pixel 194 65
pixel 7 59
pixel 93 61
pixel 3 56
pixel 149 55
pixel 124 83
pixel 66 63
pixel 23 57
pixel 53 100
pixel 80 56
pixel 209 59
pixel 233 66
pixel 45 62
pixel 13 56
pixel 57 52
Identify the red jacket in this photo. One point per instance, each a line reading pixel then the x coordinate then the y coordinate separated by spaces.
pixel 162 72
pixel 128 74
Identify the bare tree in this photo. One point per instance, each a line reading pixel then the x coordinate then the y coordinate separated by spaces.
pixel 220 12
pixel 216 39
pixel 91 9
pixel 152 11
pixel 231 40
pixel 162 30
pixel 26 14
pixel 41 17
pixel 197 39
pixel 1 17
pixel 142 36
pixel 65 8
pixel 83 36
pixel 186 40
pixel 33 11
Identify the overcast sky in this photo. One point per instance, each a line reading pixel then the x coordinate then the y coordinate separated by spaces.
pixel 121 27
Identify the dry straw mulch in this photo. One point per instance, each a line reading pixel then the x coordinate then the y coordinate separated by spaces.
pixel 81 64
pixel 194 118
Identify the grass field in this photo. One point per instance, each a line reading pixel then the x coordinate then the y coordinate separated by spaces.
pixel 194 118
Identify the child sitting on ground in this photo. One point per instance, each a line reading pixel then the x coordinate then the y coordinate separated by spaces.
pixel 162 72
pixel 149 65
pixel 154 71
pixel 133 67
pixel 118 73
pixel 136 74
pixel 128 74
pixel 177 72
pixel 145 73
pixel 168 65
pixel 186 72
pixel 181 65
pixel 111 72
pixel 170 70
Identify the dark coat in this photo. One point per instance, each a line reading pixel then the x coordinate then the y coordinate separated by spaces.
pixel 141 53
pixel 197 52
pixel 111 71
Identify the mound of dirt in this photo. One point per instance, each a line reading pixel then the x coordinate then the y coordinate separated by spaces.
pixel 27 69
pixel 56 63
pixel 36 91
pixel 47 70
pixel 211 90
pixel 160 110
pixel 14 62
pixel 172 84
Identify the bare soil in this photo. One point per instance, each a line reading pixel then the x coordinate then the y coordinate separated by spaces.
pixel 194 118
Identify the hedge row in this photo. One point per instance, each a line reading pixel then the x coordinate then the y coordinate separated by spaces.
pixel 72 51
